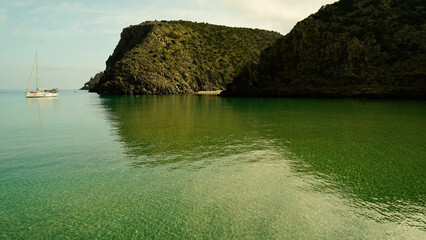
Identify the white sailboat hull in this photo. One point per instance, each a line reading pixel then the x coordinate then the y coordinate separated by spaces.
pixel 40 94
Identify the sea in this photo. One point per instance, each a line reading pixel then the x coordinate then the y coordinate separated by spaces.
pixel 85 166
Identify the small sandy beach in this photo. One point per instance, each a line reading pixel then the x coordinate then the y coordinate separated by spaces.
pixel 209 92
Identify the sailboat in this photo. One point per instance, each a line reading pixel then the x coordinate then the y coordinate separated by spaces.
pixel 39 92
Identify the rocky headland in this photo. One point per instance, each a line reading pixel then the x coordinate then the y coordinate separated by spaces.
pixel 180 57
pixel 362 48
pixel 92 81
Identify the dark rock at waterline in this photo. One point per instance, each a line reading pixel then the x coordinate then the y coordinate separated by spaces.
pixel 365 48
pixel 92 82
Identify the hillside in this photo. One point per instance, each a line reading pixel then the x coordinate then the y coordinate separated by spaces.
pixel 365 48
pixel 179 57
pixel 92 81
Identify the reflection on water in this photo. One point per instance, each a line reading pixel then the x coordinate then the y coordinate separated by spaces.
pixel 167 167
pixel 37 108
pixel 171 129
pixel 370 152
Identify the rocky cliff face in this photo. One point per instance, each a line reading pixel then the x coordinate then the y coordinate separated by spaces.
pixel 365 48
pixel 179 57
pixel 93 81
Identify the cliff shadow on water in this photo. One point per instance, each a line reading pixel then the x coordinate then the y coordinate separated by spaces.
pixel 371 152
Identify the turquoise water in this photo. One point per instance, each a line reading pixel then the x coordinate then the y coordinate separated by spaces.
pixel 166 167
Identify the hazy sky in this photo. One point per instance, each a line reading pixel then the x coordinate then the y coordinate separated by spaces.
pixel 74 38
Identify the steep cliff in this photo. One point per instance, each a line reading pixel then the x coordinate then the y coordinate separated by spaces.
pixel 365 48
pixel 178 57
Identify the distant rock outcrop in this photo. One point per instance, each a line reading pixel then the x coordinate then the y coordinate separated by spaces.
pixel 179 57
pixel 92 82
pixel 363 48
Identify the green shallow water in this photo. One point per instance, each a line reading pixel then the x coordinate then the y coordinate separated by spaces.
pixel 204 167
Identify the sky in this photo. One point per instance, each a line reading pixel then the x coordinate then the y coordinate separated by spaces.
pixel 74 38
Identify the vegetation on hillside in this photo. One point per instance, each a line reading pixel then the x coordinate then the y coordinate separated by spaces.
pixel 364 48
pixel 178 57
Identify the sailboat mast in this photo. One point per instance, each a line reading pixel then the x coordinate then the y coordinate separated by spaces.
pixel 32 68
pixel 36 70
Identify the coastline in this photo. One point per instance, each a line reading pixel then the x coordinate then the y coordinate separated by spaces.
pixel 217 92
